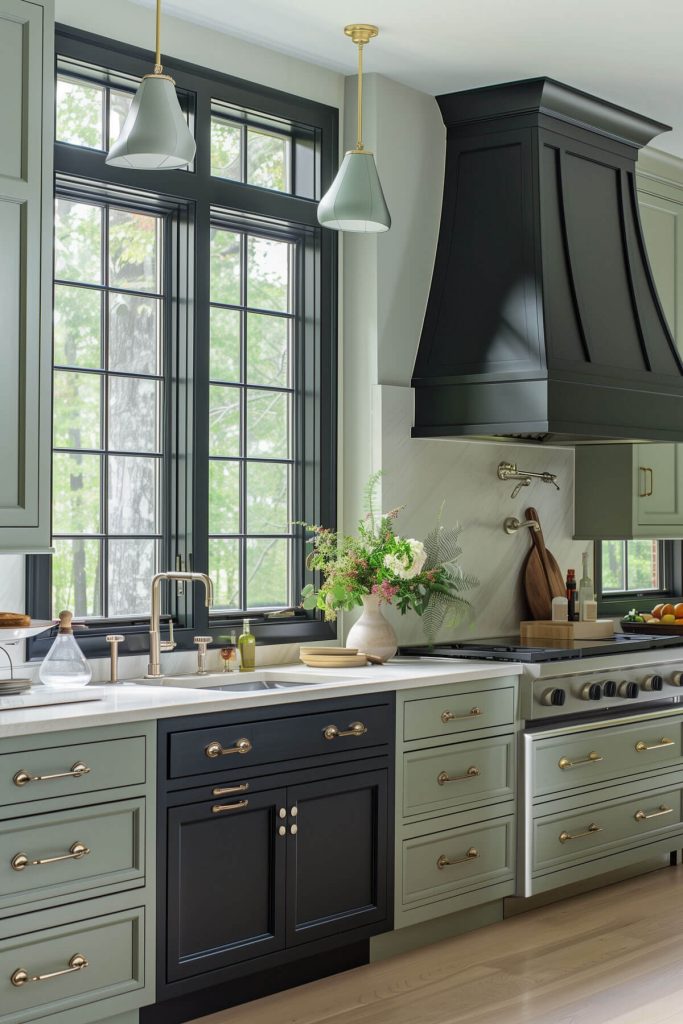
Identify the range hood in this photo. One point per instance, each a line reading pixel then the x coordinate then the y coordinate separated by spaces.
pixel 543 322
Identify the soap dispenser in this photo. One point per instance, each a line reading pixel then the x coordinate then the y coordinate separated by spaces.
pixel 65 666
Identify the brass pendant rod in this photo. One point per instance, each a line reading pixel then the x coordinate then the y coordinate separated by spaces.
pixel 158 67
pixel 359 142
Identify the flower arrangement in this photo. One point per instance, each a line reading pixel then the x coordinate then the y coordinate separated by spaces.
pixel 420 576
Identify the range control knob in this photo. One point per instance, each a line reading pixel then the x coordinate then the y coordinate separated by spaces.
pixel 677 679
pixel 591 691
pixel 653 683
pixel 628 690
pixel 609 688
pixel 553 697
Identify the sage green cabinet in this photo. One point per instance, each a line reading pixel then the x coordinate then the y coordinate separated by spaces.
pixel 26 198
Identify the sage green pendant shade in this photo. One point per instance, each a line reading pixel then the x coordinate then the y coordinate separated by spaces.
pixel 355 201
pixel 155 134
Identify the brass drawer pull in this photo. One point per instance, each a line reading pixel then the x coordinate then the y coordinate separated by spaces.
pixel 22 778
pixel 647 493
pixel 76 851
pixel 641 745
pixel 450 716
pixel 443 777
pixel 444 862
pixel 237 806
pixel 214 749
pixel 331 732
pixel 644 816
pixel 21 976
pixel 591 830
pixel 229 790
pixel 593 758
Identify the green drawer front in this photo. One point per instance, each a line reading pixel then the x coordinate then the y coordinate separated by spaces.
pixel 111 763
pixel 574 836
pixel 112 946
pixel 113 835
pixel 561 764
pixel 480 771
pixel 458 712
pixel 478 854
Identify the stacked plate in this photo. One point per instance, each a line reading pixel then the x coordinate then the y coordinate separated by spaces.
pixel 332 657
pixel 12 687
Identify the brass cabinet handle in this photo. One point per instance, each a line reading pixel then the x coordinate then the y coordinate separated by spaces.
pixel 593 758
pixel 229 790
pixel 76 851
pixel 645 493
pixel 331 732
pixel 21 976
pixel 591 830
pixel 450 716
pixel 662 810
pixel 22 777
pixel 237 806
pixel 641 745
pixel 214 749
pixel 443 777
pixel 444 862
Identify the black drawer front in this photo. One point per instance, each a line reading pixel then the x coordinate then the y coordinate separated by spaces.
pixel 223 747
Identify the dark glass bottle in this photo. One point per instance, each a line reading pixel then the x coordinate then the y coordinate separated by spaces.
pixel 571 596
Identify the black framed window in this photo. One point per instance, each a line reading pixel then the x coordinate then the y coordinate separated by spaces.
pixel 195 385
pixel 637 572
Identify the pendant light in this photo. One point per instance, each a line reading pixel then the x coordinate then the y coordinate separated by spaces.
pixel 355 201
pixel 155 135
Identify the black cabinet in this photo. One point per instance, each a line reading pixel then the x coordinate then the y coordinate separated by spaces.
pixel 276 861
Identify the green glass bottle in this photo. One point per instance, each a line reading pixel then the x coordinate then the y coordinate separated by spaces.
pixel 247 648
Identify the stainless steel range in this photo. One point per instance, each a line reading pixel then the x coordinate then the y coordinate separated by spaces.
pixel 600 753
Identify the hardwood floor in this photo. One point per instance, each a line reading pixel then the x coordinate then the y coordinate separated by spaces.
pixel 613 956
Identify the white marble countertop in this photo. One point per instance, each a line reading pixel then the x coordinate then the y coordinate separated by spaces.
pixel 131 702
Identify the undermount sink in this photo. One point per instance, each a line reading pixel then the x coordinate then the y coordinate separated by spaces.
pixel 260 684
pixel 223 681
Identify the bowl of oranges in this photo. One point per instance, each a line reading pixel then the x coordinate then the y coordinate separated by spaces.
pixel 664 618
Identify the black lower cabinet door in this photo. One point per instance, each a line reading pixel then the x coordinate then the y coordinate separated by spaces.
pixel 337 876
pixel 226 883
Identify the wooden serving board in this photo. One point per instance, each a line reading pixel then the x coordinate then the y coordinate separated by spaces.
pixel 542 577
pixel 602 629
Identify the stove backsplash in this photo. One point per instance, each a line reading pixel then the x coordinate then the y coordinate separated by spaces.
pixel 420 474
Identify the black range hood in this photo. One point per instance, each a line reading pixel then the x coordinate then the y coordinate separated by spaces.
pixel 543 322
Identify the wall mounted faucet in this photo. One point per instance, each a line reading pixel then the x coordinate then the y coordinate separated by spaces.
pixel 156 644
pixel 511 525
pixel 509 471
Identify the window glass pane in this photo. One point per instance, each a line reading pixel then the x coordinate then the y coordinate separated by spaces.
pixel 76 493
pixel 133 495
pixel 613 565
pixel 267 573
pixel 224 560
pixel 77 576
pixel 78 242
pixel 268 274
pixel 77 409
pixel 643 568
pixel 226 272
pixel 224 497
pixel 77 327
pixel 132 563
pixel 119 105
pixel 225 344
pixel 268 350
pixel 134 333
pixel 267 497
pixel 224 421
pixel 267 424
pixel 80 113
pixel 268 160
pixel 134 257
pixel 133 414
pixel 226 150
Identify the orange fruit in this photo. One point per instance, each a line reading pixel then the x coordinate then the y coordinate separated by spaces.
pixel 679 622
pixel 668 609
pixel 657 611
pixel 666 620
pixel 678 610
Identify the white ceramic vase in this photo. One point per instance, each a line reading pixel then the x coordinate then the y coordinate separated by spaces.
pixel 371 633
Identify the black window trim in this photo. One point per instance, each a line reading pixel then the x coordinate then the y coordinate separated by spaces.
pixel 615 604
pixel 194 195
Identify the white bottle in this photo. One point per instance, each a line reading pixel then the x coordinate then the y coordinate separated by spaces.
pixel 65 667
pixel 586 592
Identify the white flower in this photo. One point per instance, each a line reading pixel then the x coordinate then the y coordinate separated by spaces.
pixel 406 566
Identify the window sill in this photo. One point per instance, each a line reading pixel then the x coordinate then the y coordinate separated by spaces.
pixel 616 607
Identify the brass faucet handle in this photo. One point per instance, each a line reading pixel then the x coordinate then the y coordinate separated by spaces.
pixel 206 640
pixel 202 643
pixel 114 639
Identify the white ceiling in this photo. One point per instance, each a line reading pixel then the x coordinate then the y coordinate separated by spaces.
pixel 627 51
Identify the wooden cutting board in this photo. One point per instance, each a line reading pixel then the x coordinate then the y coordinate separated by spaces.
pixel 541 574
